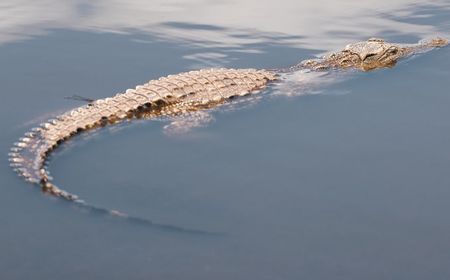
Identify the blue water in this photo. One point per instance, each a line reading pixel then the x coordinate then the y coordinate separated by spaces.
pixel 350 182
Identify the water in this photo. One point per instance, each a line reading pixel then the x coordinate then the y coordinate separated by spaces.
pixel 351 182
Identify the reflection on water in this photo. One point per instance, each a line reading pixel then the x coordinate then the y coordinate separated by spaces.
pixel 324 186
pixel 324 25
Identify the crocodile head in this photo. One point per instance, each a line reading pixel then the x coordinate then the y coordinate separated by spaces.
pixel 376 53
pixel 371 54
pixel 368 55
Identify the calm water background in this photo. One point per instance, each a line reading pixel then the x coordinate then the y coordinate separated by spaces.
pixel 351 182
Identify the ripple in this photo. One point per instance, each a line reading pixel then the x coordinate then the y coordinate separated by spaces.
pixel 321 25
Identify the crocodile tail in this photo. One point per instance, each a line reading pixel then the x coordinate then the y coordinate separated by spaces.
pixel 28 158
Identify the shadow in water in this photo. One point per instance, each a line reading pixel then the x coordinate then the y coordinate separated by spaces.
pixel 139 221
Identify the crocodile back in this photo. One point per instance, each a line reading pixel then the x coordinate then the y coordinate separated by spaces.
pixel 205 87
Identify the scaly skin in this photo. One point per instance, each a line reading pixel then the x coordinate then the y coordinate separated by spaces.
pixel 173 95
pixel 182 93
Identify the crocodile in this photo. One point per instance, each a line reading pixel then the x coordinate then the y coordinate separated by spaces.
pixel 177 95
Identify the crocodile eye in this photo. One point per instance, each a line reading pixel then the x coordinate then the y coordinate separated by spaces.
pixel 393 51
pixel 370 55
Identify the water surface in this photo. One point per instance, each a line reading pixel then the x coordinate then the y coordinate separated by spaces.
pixel 341 180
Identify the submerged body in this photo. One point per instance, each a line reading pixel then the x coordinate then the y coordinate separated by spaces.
pixel 182 93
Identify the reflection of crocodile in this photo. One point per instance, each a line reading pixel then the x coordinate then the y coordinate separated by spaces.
pixel 179 94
